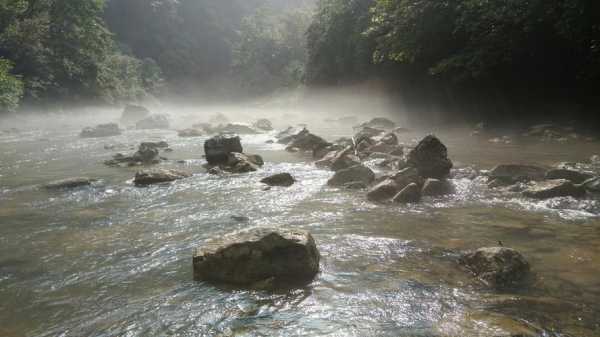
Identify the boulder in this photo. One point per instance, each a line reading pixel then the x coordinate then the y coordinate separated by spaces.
pixel 575 177
pixel 592 185
pixel 281 179
pixel 133 113
pixel 102 130
pixel 189 133
pixel 343 160
pixel 146 154
pixel 389 139
pixel 157 176
pixel 436 187
pixel 406 176
pixel 430 158
pixel 352 174
pixel 410 194
pixel 241 163
pixel 554 188
pixel 218 148
pixel 236 129
pixel 245 258
pixel 154 145
pixel 69 183
pixel 383 191
pixel 321 152
pixel 366 132
pixel 263 124
pixel 379 122
pixel 288 135
pixel 497 267
pixel 306 141
pixel 153 122
pixel 513 173
pixel 355 185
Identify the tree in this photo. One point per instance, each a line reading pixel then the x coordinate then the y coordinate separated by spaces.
pixel 11 87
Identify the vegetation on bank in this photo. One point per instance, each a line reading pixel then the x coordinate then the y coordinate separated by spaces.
pixel 461 53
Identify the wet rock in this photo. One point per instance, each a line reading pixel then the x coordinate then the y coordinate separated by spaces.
pixel 206 127
pixel 306 141
pixel 236 129
pixel 407 176
pixel 554 188
pixel 366 132
pixel 352 174
pixel 263 124
pixel 592 185
pixel 281 179
pixel 248 257
pixel 344 142
pixel 189 133
pixel 355 185
pixel 69 183
pixel 218 148
pixel 321 152
pixel 512 173
pixel 430 158
pixel 154 145
pixel 436 187
pixel 102 130
pixel 157 176
pixel 241 163
pixel 383 191
pixel 498 267
pixel 575 177
pixel 379 122
pixel 410 194
pixel 380 147
pixel 364 145
pixel 288 135
pixel 326 161
pixel 343 160
pixel 146 154
pixel 133 113
pixel 153 122
pixel 389 139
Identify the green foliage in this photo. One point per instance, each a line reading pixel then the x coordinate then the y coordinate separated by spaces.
pixel 123 78
pixel 11 87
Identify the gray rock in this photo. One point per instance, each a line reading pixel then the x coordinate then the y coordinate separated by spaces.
pixel 248 257
pixel 512 173
pixel 575 177
pixel 288 135
pixel 236 129
pixel 592 185
pixel 69 183
pixel 497 267
pixel 241 163
pixel 407 176
pixel 146 154
pixel 157 176
pixel 430 158
pixel 281 179
pixel 355 185
pixel 102 130
pixel 383 191
pixel 306 141
pixel 352 174
pixel 218 148
pixel 153 122
pixel 436 187
pixel 389 139
pixel 554 188
pixel 263 124
pixel 410 194
pixel 134 113
pixel 379 122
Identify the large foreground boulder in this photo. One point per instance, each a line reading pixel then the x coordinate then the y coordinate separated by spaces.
pixel 430 158
pixel 134 113
pixel 218 148
pixel 69 183
pixel 357 173
pixel 258 255
pixel 149 177
pixel 553 189
pixel 280 179
pixel 102 130
pixel 497 267
pixel 153 122
pixel 512 173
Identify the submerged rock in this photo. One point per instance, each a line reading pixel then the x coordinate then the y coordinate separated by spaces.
pixel 430 158
pixel 383 191
pixel 407 176
pixel 512 173
pixel 498 267
pixel 352 174
pixel 257 255
pixel 575 177
pixel 281 179
pixel 436 187
pixel 242 163
pixel 410 194
pixel 102 130
pixel 218 148
pixel 153 122
pixel 157 176
pixel 592 185
pixel 554 188
pixel 134 113
pixel 188 133
pixel 263 124
pixel 69 183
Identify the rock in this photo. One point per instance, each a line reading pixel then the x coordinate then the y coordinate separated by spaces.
pixel 343 160
pixel 146 154
pixel 306 141
pixel 430 158
pixel 206 127
pixel 380 147
pixel 592 185
pixel 157 176
pixel 288 135
pixel 218 148
pixel 69 183
pixel 366 132
pixel 575 177
pixel 133 113
pixel 236 129
pixel 256 159
pixel 153 122
pixel 102 130
pixel 554 188
pixel 188 133
pixel 364 145
pixel 389 139
pixel 263 124
pixel 321 152
pixel 383 191
pixel 241 163
pixel 410 194
pixel 154 145
pixel 379 122
pixel 498 267
pixel 256 255
pixel 355 185
pixel 281 179
pixel 344 142
pixel 436 187
pixel 352 174
pixel 513 173
pixel 407 176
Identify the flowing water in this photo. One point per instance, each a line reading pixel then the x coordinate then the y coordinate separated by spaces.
pixel 115 260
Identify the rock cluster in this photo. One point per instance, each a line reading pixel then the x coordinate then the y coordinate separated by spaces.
pixel 157 176
pixel 226 153
pixel 147 154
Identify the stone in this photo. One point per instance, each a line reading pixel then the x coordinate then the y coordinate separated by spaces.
pixel 383 191
pixel 189 133
pixel 157 176
pixel 512 173
pixel 244 258
pixel 343 160
pixel 241 163
pixel 380 122
pixel 366 132
pixel 146 154
pixel 410 194
pixel 236 129
pixel 263 124
pixel 553 189
pixel 69 183
pixel 306 141
pixel 355 185
pixel 288 135
pixel 575 177
pixel 218 148
pixel 281 179
pixel 430 158
pixel 133 113
pixel 436 188
pixel 406 176
pixel 592 185
pixel 153 122
pixel 497 267
pixel 352 174
pixel 102 130
pixel 389 139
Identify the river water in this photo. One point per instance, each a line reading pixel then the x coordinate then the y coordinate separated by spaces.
pixel 115 260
